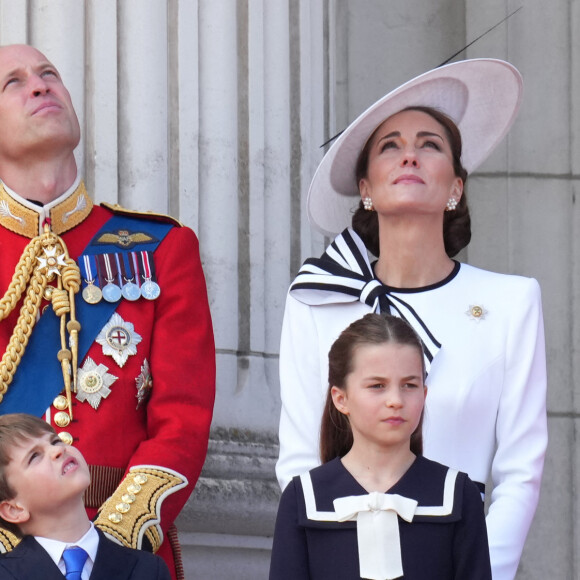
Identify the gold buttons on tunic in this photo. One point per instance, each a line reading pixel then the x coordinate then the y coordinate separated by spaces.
pixel 62 419
pixel 140 479
pixel 116 517
pixel 60 403
pixel 123 508
pixel 66 438
pixel 128 497
pixel 134 488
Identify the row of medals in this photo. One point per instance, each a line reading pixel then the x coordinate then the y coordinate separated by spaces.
pixel 111 292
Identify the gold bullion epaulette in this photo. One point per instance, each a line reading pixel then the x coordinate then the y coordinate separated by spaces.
pixel 133 513
pixel 8 541
pixel 151 215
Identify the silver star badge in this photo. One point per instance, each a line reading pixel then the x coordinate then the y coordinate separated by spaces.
pixel 94 382
pixel 119 339
pixel 476 312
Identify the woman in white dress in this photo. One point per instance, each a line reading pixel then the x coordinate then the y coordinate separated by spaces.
pixel 406 159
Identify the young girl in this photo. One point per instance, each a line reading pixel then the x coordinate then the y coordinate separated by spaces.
pixel 377 508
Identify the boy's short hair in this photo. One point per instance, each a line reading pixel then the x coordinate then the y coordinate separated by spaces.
pixel 14 429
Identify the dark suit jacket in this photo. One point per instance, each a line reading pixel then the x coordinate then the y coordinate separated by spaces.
pixel 30 561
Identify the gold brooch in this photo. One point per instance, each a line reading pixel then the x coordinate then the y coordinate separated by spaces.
pixel 476 312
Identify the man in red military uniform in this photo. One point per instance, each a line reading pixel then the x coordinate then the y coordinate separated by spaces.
pixel 104 323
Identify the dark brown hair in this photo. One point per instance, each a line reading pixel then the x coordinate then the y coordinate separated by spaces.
pixel 14 429
pixel 456 223
pixel 335 432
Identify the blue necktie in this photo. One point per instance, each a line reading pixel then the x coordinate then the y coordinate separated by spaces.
pixel 74 561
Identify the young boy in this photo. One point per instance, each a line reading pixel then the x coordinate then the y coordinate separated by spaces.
pixel 42 482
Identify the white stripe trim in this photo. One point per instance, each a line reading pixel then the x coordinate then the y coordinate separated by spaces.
pixel 448 497
pixel 312 277
pixel 311 512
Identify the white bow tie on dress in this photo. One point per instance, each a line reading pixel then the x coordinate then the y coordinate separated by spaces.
pixel 379 544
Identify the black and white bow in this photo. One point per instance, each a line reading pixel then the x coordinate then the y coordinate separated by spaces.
pixel 344 274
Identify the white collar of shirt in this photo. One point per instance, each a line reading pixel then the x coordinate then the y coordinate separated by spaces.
pixel 89 543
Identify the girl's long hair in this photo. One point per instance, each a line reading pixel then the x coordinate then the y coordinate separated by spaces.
pixel 372 329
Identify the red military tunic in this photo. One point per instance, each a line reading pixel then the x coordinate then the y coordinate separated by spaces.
pixel 168 431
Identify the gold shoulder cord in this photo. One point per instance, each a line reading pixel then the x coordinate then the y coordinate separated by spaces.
pixel 44 259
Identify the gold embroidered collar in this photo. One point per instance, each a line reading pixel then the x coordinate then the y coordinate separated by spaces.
pixel 25 219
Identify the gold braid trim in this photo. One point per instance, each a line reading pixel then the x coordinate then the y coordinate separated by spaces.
pixel 133 512
pixel 44 259
pixel 8 541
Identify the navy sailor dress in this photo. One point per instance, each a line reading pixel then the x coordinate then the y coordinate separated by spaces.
pixel 429 525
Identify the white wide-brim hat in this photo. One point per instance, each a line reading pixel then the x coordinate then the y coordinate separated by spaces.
pixel 482 96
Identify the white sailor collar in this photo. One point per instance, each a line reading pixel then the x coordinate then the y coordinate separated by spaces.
pixel 24 217
pixel 439 501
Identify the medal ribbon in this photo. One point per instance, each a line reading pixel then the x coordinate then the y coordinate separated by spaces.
pixel 87 265
pixel 101 270
pixel 125 267
pixel 119 271
pixel 111 268
pixel 135 269
pixel 147 266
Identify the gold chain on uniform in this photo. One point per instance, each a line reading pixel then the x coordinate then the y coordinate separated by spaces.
pixel 44 259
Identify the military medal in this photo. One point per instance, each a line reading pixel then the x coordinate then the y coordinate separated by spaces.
pixel 91 294
pixel 111 290
pixel 149 289
pixel 94 382
pixel 130 290
pixel 119 339
pixel 66 438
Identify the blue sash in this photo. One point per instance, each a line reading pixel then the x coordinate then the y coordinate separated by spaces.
pixel 38 379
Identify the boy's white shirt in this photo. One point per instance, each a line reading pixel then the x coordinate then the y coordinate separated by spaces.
pixel 89 543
